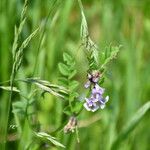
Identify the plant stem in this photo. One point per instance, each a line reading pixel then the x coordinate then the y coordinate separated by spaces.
pixel 8 109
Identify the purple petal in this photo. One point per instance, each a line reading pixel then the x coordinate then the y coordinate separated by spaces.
pixel 102 106
pixel 95 100
pixel 90 106
pixel 87 84
pixel 97 90
pixel 95 80
pixel 89 102
pixel 106 99
pixel 95 108
pixel 98 96
pixel 102 101
pixel 86 106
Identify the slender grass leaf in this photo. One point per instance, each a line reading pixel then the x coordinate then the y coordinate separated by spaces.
pixel 131 125
pixel 8 88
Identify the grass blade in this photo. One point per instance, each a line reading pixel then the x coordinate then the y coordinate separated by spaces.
pixel 131 125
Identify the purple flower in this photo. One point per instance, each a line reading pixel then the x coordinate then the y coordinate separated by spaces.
pixel 90 105
pixel 96 99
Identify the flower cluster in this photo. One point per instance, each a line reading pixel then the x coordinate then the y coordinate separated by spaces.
pixel 96 99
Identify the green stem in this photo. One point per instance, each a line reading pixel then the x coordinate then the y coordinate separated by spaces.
pixel 8 108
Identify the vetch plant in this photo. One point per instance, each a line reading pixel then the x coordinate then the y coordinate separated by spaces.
pixel 96 68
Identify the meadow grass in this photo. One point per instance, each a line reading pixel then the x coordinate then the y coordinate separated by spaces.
pixel 31 119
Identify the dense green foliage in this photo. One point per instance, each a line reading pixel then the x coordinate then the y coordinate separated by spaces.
pixel 46 49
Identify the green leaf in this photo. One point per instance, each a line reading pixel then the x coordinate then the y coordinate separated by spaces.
pixel 63 81
pixel 67 110
pixel 111 54
pixel 74 94
pixel 67 58
pixel 63 69
pixel 72 66
pixel 46 137
pixel 68 71
pixel 130 126
pixel 101 81
pixel 77 107
pixel 72 74
pixel 73 85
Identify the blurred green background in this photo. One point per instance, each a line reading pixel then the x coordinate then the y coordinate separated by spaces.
pixel 128 78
